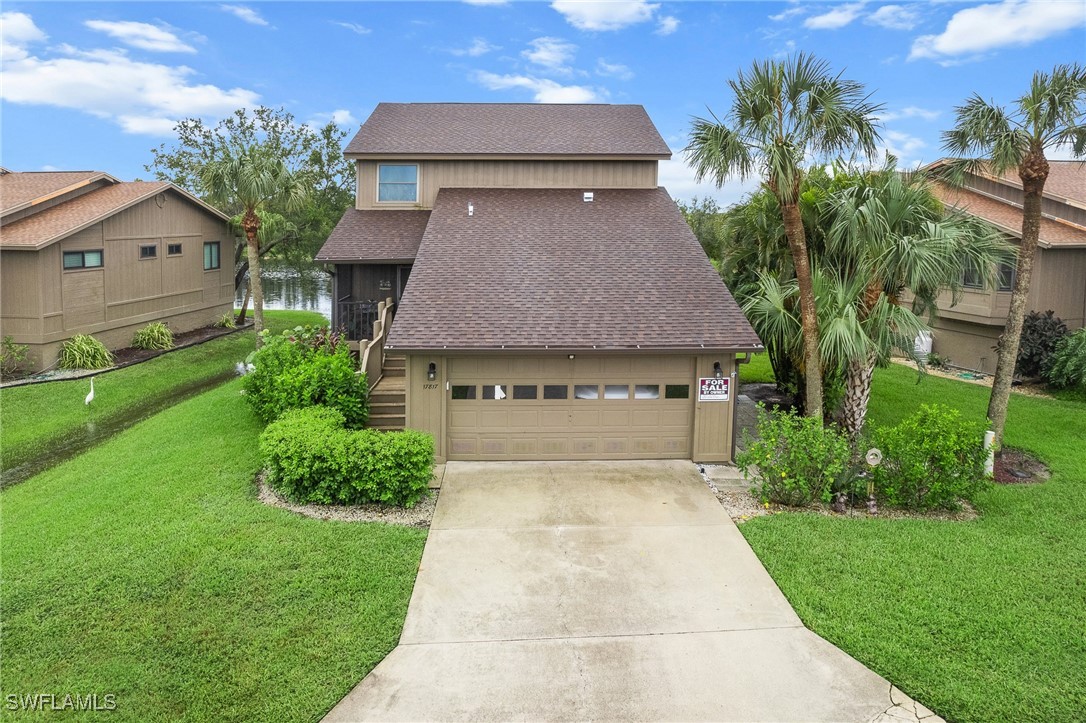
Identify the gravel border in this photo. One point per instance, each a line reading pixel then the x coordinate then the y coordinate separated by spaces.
pixel 418 516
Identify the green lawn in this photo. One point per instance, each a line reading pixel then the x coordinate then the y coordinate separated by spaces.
pixel 147 569
pixel 984 620
pixel 35 416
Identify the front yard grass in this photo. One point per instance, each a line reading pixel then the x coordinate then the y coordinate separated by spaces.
pixel 35 416
pixel 981 620
pixel 147 569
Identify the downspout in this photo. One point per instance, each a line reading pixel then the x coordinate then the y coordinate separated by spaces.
pixel 735 398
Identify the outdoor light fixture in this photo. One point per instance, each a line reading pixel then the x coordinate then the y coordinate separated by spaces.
pixel 431 372
pixel 717 371
pixel 572 355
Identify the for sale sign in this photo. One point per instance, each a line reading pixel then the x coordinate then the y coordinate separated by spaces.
pixel 711 389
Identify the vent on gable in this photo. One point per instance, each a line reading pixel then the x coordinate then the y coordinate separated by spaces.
pixel 588 196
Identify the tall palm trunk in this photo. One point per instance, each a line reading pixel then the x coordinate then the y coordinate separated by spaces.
pixel 244 304
pixel 251 225
pixel 1034 173
pixel 808 314
pixel 858 376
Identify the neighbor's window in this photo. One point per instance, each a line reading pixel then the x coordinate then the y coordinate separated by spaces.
pixel 211 255
pixel 397 184
pixel 555 391
pixel 646 391
pixel 173 249
pixel 463 392
pixel 616 391
pixel 149 252
pixel 1006 276
pixel 586 391
pixel 676 391
pixel 495 391
pixel 972 278
pixel 82 259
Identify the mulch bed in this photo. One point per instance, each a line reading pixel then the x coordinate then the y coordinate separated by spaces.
pixel 1015 467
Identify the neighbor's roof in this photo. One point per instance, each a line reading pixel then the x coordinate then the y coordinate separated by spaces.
pixel 23 189
pixel 57 222
pixel 1008 217
pixel 543 269
pixel 1066 181
pixel 375 236
pixel 508 129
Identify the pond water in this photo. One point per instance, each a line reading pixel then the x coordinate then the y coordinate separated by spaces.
pixel 306 288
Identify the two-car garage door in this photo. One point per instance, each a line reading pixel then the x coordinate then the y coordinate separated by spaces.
pixel 587 407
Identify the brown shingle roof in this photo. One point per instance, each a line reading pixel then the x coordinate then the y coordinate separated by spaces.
pixel 56 222
pixel 18 190
pixel 508 129
pixel 544 269
pixel 1008 217
pixel 1066 180
pixel 375 236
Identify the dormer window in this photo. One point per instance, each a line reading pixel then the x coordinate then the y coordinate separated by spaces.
pixel 397 183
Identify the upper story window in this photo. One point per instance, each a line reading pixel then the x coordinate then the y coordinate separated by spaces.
pixel 1006 275
pixel 972 278
pixel 82 259
pixel 397 183
pixel 211 255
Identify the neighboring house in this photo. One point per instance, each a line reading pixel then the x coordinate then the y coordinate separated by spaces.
pixel 83 253
pixel 558 307
pixel 967 331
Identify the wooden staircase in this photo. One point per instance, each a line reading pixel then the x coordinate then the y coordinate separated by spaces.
pixel 388 400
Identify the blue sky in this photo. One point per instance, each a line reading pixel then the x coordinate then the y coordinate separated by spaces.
pixel 96 85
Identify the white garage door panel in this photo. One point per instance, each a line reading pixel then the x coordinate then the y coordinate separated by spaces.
pixel 570 428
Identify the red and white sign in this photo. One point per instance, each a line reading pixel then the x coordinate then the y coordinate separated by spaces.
pixel 711 389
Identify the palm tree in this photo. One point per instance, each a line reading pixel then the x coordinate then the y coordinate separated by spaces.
pixel 253 179
pixel 274 230
pixel 888 231
pixel 782 111
pixel 992 138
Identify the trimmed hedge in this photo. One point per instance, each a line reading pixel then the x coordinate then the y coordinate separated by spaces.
pixel 311 458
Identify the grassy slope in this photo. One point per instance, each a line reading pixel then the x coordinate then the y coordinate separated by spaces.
pixel 981 620
pixel 146 568
pixel 25 429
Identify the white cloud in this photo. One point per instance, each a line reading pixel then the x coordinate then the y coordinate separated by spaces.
pixel 340 117
pixel 544 90
pixel 893 17
pixel 245 13
pixel 838 17
pixel 678 178
pixel 789 13
pixel 667 25
pixel 987 27
pixel 906 147
pixel 604 14
pixel 140 97
pixel 551 53
pixel 19 29
pixel 353 27
pixel 911 111
pixel 613 70
pixel 479 46
pixel 142 35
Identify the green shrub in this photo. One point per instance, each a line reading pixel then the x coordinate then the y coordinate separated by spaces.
pixel 226 321
pixel 83 351
pixel 931 460
pixel 12 356
pixel 798 458
pixel 311 458
pixel 1067 365
pixel 154 336
pixel 1040 334
pixel 306 367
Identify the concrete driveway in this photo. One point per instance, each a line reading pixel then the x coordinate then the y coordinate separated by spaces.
pixel 604 591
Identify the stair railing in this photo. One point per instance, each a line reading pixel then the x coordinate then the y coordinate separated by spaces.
pixel 373 353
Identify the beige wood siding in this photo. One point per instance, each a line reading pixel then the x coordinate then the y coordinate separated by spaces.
pixel 20 293
pixel 713 419
pixel 434 175
pixel 1059 283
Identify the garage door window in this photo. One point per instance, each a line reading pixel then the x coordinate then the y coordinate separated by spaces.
pixel 463 392
pixel 495 391
pixel 616 391
pixel 647 391
pixel 525 391
pixel 677 391
pixel 586 391
pixel 555 391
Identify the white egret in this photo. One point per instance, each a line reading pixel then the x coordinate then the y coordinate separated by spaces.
pixel 90 397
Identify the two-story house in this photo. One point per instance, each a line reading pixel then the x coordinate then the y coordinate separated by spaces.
pixel 83 253
pixel 551 302
pixel 966 332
